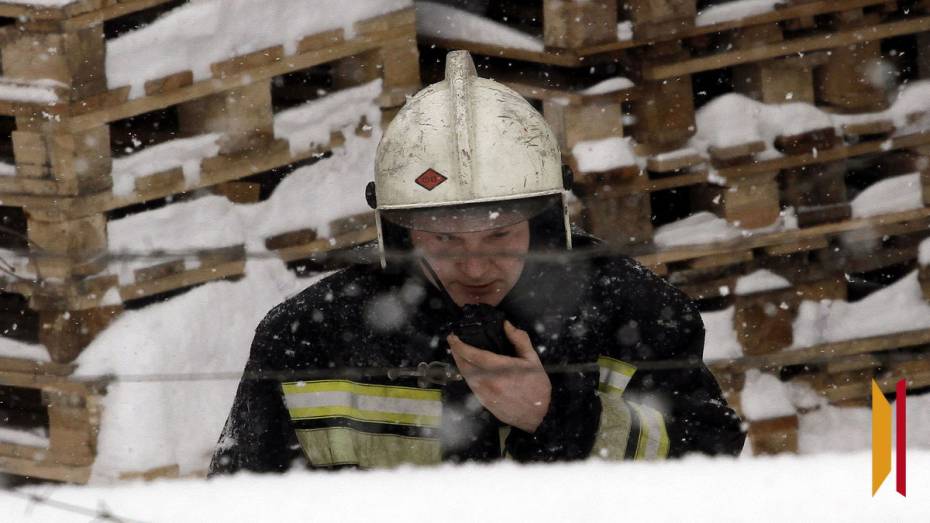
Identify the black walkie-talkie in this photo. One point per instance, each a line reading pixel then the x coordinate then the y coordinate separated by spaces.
pixel 482 326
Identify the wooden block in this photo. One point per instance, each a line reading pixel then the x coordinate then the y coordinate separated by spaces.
pixel 775 81
pixel 721 260
pixel 71 429
pixel 159 271
pixel 755 36
pixel 740 151
pixel 239 192
pixel 577 123
pixel 660 18
pixel 397 64
pixel 870 128
pixel 749 202
pixel 626 220
pixel 290 239
pixel 169 83
pixel 66 245
pixel 76 59
pixel 774 436
pixel 673 161
pixel 66 334
pixel 82 159
pixel 763 327
pixel 852 80
pixel 244 115
pixel 830 288
pixel 167 471
pixel 30 148
pixel 354 223
pixel 320 41
pixel 400 66
pixel 42 174
pixel 818 139
pixel 573 24
pixel 817 192
pixel 238 64
pixel 664 113
pixel 171 181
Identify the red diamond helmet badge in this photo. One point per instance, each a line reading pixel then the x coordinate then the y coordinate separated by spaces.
pixel 430 179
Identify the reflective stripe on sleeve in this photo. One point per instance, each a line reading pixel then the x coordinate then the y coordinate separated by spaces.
pixel 652 442
pixel 615 375
pixel 363 402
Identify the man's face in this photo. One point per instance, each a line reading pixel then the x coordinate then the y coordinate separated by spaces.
pixel 476 267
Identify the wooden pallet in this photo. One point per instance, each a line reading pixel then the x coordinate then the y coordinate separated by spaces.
pixel 64 158
pixel 805 51
pixel 673 14
pixel 69 410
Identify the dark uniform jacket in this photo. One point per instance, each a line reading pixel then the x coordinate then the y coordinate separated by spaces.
pixel 649 396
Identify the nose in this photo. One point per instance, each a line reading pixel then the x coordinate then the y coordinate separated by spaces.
pixel 474 266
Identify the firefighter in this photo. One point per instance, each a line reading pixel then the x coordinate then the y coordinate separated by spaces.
pixel 489 330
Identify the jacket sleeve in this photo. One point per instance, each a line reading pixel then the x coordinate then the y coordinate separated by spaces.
pixel 567 431
pixel 257 436
pixel 675 403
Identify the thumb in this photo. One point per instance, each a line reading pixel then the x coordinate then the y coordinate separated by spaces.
pixel 521 341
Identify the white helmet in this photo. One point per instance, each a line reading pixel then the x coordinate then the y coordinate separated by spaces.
pixel 466 144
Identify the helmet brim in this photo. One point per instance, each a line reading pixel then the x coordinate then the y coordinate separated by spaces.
pixel 474 217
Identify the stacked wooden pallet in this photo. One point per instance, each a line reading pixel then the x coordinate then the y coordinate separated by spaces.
pixel 83 152
pixel 692 153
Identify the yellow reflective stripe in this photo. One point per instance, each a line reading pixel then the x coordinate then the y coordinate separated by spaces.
pixel 345 446
pixel 653 439
pixel 300 387
pixel 364 415
pixel 615 375
pixel 614 428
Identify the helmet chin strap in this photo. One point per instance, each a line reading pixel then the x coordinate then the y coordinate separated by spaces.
pixel 434 279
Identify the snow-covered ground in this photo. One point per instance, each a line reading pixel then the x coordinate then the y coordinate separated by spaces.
pixel 828 487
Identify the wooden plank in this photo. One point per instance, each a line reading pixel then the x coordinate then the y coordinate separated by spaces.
pixel 828 351
pixel 82 117
pixel 677 254
pixel 31 468
pixel 179 281
pixel 215 171
pixel 325 245
pixel 840 152
pixel 169 83
pixel 571 24
pixel 789 47
pixel 110 11
pixel 290 239
pixel 736 151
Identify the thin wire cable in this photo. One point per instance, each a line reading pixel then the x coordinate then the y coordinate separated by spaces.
pixel 99 514
pixel 394 373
